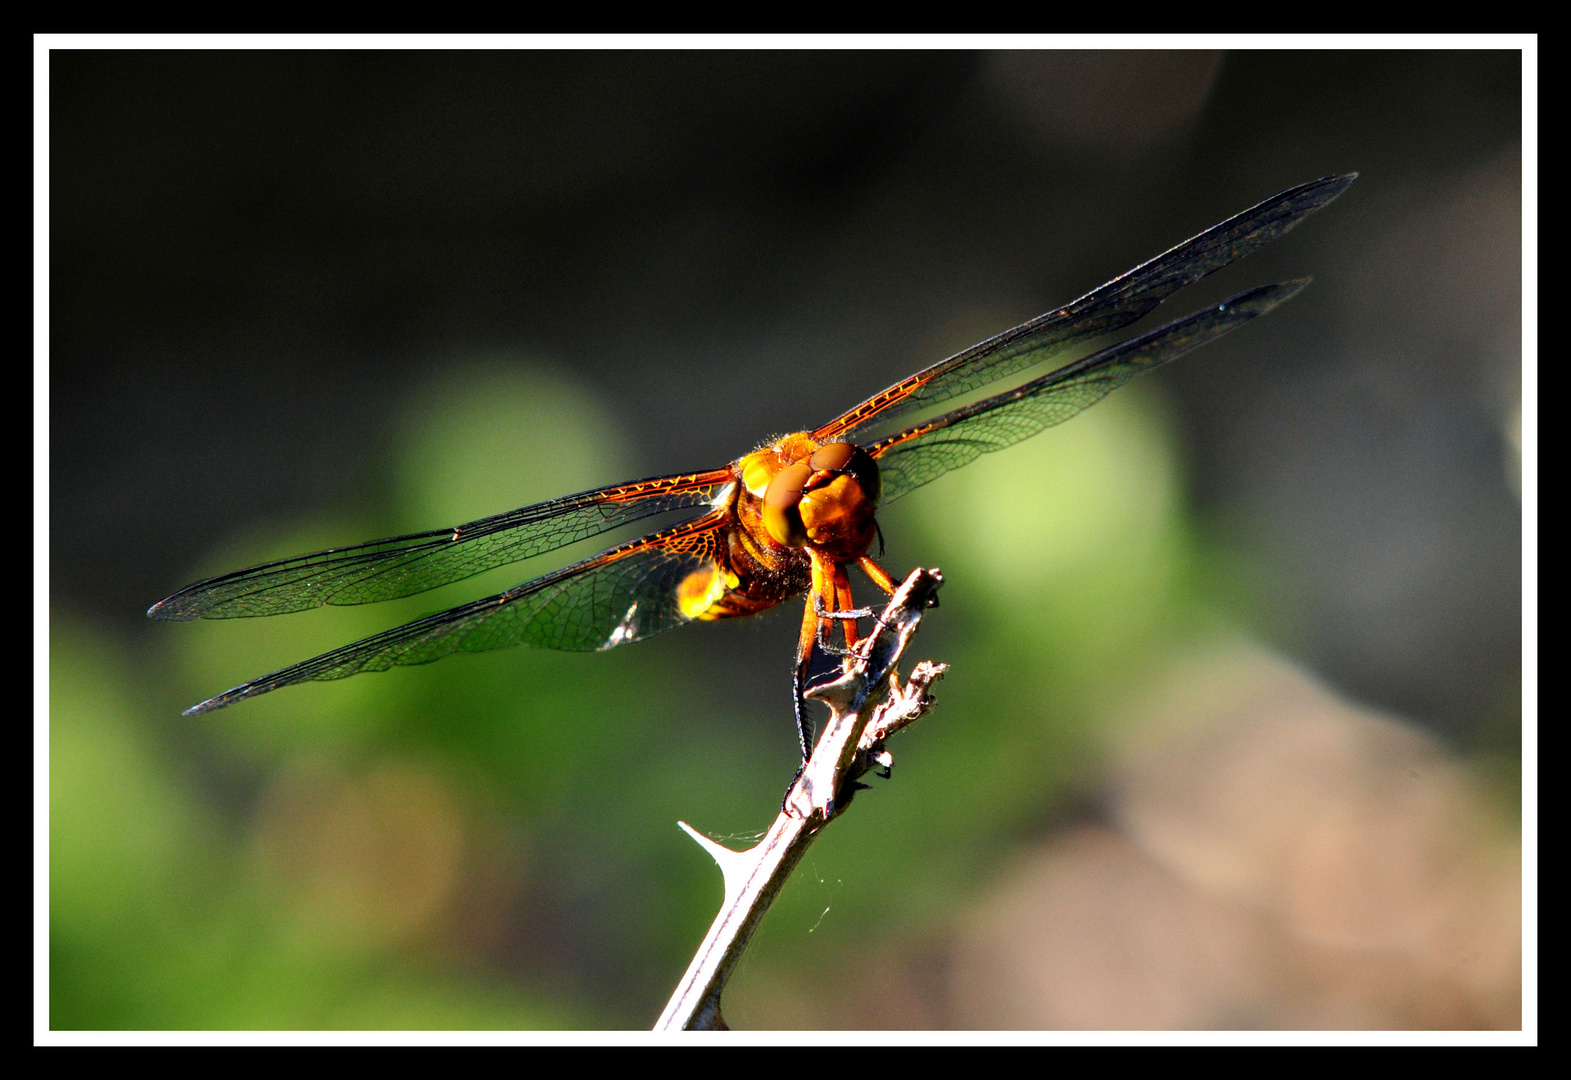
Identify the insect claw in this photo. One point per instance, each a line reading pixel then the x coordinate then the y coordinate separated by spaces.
pixel 854 613
pixel 786 798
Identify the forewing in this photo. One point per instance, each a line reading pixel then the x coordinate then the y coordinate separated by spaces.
pixel 1102 311
pixel 405 565
pixel 913 457
pixel 625 594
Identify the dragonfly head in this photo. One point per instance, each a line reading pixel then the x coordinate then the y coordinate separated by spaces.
pixel 826 500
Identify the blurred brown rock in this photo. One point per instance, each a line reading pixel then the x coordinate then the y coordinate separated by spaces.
pixel 1276 858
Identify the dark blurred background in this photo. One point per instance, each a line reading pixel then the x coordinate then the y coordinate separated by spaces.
pixel 306 298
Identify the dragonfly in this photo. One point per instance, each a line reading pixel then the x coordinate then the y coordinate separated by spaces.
pixel 788 518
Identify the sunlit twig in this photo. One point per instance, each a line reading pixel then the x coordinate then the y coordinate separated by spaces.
pixel 867 705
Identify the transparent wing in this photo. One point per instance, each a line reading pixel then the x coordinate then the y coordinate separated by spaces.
pixel 621 595
pixel 1101 311
pixel 913 457
pixel 405 565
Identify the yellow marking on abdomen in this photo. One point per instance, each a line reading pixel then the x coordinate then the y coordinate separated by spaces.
pixel 699 595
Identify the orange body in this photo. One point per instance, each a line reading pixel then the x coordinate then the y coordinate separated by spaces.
pixel 800 511
pixel 759 570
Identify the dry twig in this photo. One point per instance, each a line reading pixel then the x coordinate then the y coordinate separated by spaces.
pixel 862 717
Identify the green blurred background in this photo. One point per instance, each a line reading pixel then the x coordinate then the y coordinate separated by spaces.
pixel 1246 633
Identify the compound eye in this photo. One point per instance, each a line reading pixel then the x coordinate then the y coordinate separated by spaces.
pixel 831 457
pixel 852 460
pixel 782 516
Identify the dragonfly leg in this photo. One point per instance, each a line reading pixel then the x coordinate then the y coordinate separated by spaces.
pixel 843 609
pixel 831 589
pixel 817 624
pixel 877 575
pixel 821 602
pixel 804 730
pixel 854 613
pixel 812 625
